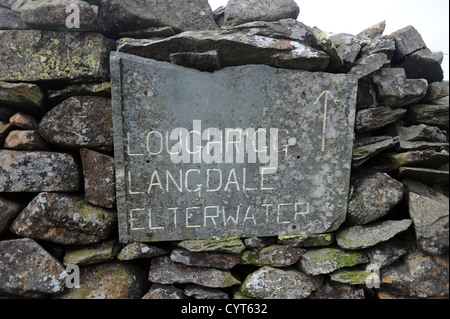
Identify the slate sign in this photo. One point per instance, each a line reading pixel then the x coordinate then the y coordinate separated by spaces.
pixel 245 151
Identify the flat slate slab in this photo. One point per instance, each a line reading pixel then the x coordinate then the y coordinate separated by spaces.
pixel 245 151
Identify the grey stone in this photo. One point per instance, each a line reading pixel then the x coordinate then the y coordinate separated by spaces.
pixel 52 15
pixel 112 280
pixel 273 283
pixel 313 240
pixel 420 132
pixel 140 250
pixel 80 122
pixel 369 64
pixel 335 290
pixel 386 253
pixel 326 260
pixel 372 32
pixel 204 61
pixel 28 140
pixel 395 90
pixel 31 55
pixel 429 114
pixel 130 15
pixel 10 20
pixel 360 237
pixel 368 147
pixel 28 270
pixel 421 145
pixel 417 275
pixel 206 259
pixel 259 242
pixel 164 271
pixel 374 195
pixel 422 158
pixel 8 211
pixel 326 45
pixel 429 212
pixel 23 171
pixel 242 11
pixel 158 291
pixel 253 49
pixel 64 219
pixel 24 96
pixel 383 44
pixel 272 99
pixel 351 276
pixel 55 97
pixel 99 179
pixel 437 90
pixel 199 292
pixel 426 175
pixel 219 15
pixel 407 41
pixel 224 245
pixel 94 254
pixel 347 46
pixel 151 32
pixel 372 119
pixel 275 255
pixel 423 64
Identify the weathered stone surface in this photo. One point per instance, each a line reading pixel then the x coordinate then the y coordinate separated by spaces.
pixel 204 61
pixel 307 240
pixel 24 121
pixel 25 96
pixel 369 64
pixel 8 211
pixel 386 253
pixel 42 55
pixel 93 254
pixel 417 275
pixel 80 122
pixel 275 255
pixel 372 32
pixel 273 283
pixel 375 118
pixel 207 259
pixel 129 15
pixel 423 64
pixel 383 44
pixel 10 20
pixel 52 15
pixel 425 175
pixel 223 245
pixel 352 277
pixel 29 270
pixel 164 271
pixel 234 49
pixel 327 260
pixel 272 98
pixel 28 140
pixel 347 47
pixel 259 242
pixel 158 291
pixel 395 90
pixel 140 250
pixel 64 219
pixel 99 178
pixel 242 11
pixel 199 292
pixel 22 171
pixel 326 45
pixel 112 280
pixel 368 147
pixel 85 89
pixel 374 195
pixel 437 90
pixel 360 237
pixel 419 132
pixel 403 146
pixel 429 114
pixel 422 158
pixel 429 211
pixel 407 41
pixel 152 32
pixel 335 290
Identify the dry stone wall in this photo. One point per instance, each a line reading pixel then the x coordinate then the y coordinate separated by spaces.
pixel 57 191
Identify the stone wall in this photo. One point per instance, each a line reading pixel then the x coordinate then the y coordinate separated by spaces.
pixel 57 191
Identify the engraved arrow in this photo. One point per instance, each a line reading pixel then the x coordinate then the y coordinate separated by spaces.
pixel 326 93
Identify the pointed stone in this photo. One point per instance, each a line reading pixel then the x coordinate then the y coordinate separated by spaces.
pixel 407 40
pixel 372 32
pixel 140 250
pixel 275 255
